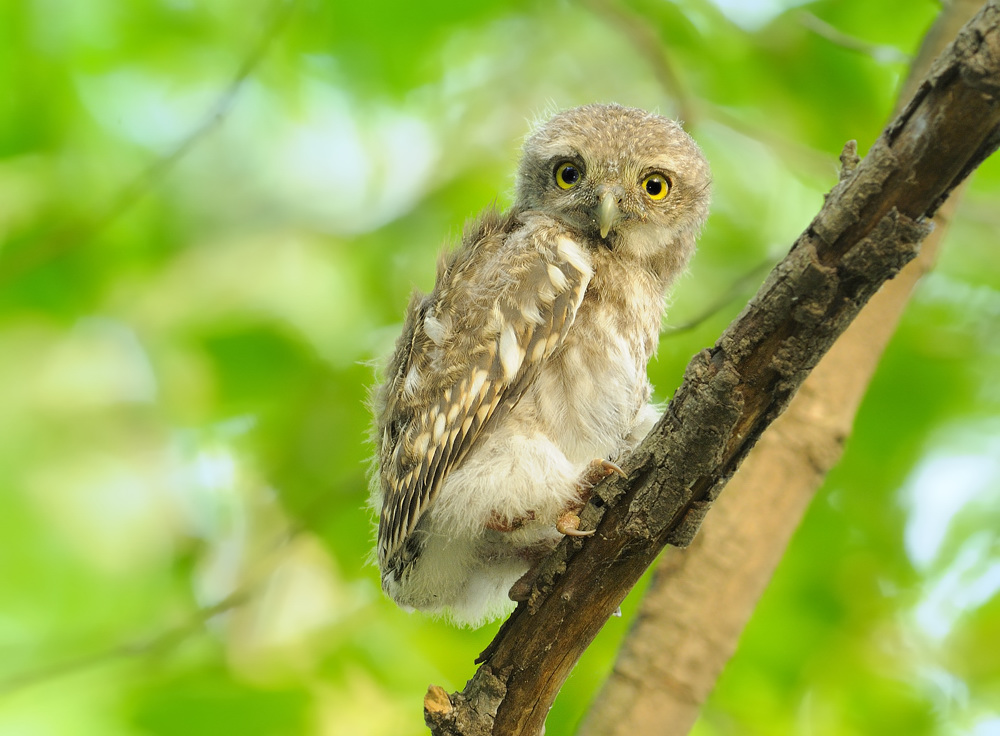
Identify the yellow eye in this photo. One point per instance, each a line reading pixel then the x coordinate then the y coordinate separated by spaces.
pixel 656 186
pixel 567 175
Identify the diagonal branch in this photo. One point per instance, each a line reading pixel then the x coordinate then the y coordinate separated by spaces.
pixel 870 226
pixel 701 597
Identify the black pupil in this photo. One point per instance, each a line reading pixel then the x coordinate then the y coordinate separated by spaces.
pixel 654 187
pixel 569 174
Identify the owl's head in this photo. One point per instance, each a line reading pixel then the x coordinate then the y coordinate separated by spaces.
pixel 629 180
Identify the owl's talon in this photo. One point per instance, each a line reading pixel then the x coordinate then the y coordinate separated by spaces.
pixel 613 468
pixel 569 525
pixel 596 471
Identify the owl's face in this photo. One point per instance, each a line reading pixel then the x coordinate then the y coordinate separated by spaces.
pixel 630 180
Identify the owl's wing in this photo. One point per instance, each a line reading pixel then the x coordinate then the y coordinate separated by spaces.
pixel 467 355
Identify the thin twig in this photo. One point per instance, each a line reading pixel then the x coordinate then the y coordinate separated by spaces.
pixel 818 163
pixel 171 637
pixel 650 46
pixel 879 52
pixel 730 294
pixel 691 110
pixel 75 235
pixel 158 643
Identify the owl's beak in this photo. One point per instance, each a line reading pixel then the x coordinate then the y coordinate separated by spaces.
pixel 608 213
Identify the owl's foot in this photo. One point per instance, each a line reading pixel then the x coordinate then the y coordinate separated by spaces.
pixel 569 524
pixel 597 470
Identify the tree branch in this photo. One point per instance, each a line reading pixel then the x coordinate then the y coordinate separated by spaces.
pixel 870 226
pixel 701 597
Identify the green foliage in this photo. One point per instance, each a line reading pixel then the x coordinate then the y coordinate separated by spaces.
pixel 211 217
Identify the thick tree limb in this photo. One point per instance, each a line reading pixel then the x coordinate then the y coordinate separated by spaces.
pixel 701 597
pixel 869 228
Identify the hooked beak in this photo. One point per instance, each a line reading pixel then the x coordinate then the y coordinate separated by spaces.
pixel 608 213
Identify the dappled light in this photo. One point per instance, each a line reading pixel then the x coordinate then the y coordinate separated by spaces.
pixel 212 216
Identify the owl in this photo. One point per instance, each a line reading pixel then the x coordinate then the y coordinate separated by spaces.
pixel 520 380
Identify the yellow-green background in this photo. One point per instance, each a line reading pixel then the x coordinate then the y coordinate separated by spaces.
pixel 185 354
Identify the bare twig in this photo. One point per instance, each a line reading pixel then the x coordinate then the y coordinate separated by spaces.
pixel 879 52
pixel 730 294
pixel 160 642
pixel 649 45
pixel 74 235
pixel 690 109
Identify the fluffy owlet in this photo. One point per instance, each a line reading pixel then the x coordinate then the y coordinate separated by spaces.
pixel 521 378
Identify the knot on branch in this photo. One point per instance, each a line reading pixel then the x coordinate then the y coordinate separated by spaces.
pixel 468 713
pixel 437 704
pixel 849 160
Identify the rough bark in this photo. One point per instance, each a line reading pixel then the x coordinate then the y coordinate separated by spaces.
pixel 870 226
pixel 701 597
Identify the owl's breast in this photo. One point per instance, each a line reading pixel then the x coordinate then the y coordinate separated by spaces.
pixel 588 395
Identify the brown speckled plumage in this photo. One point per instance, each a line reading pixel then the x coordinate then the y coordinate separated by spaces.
pixel 528 359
